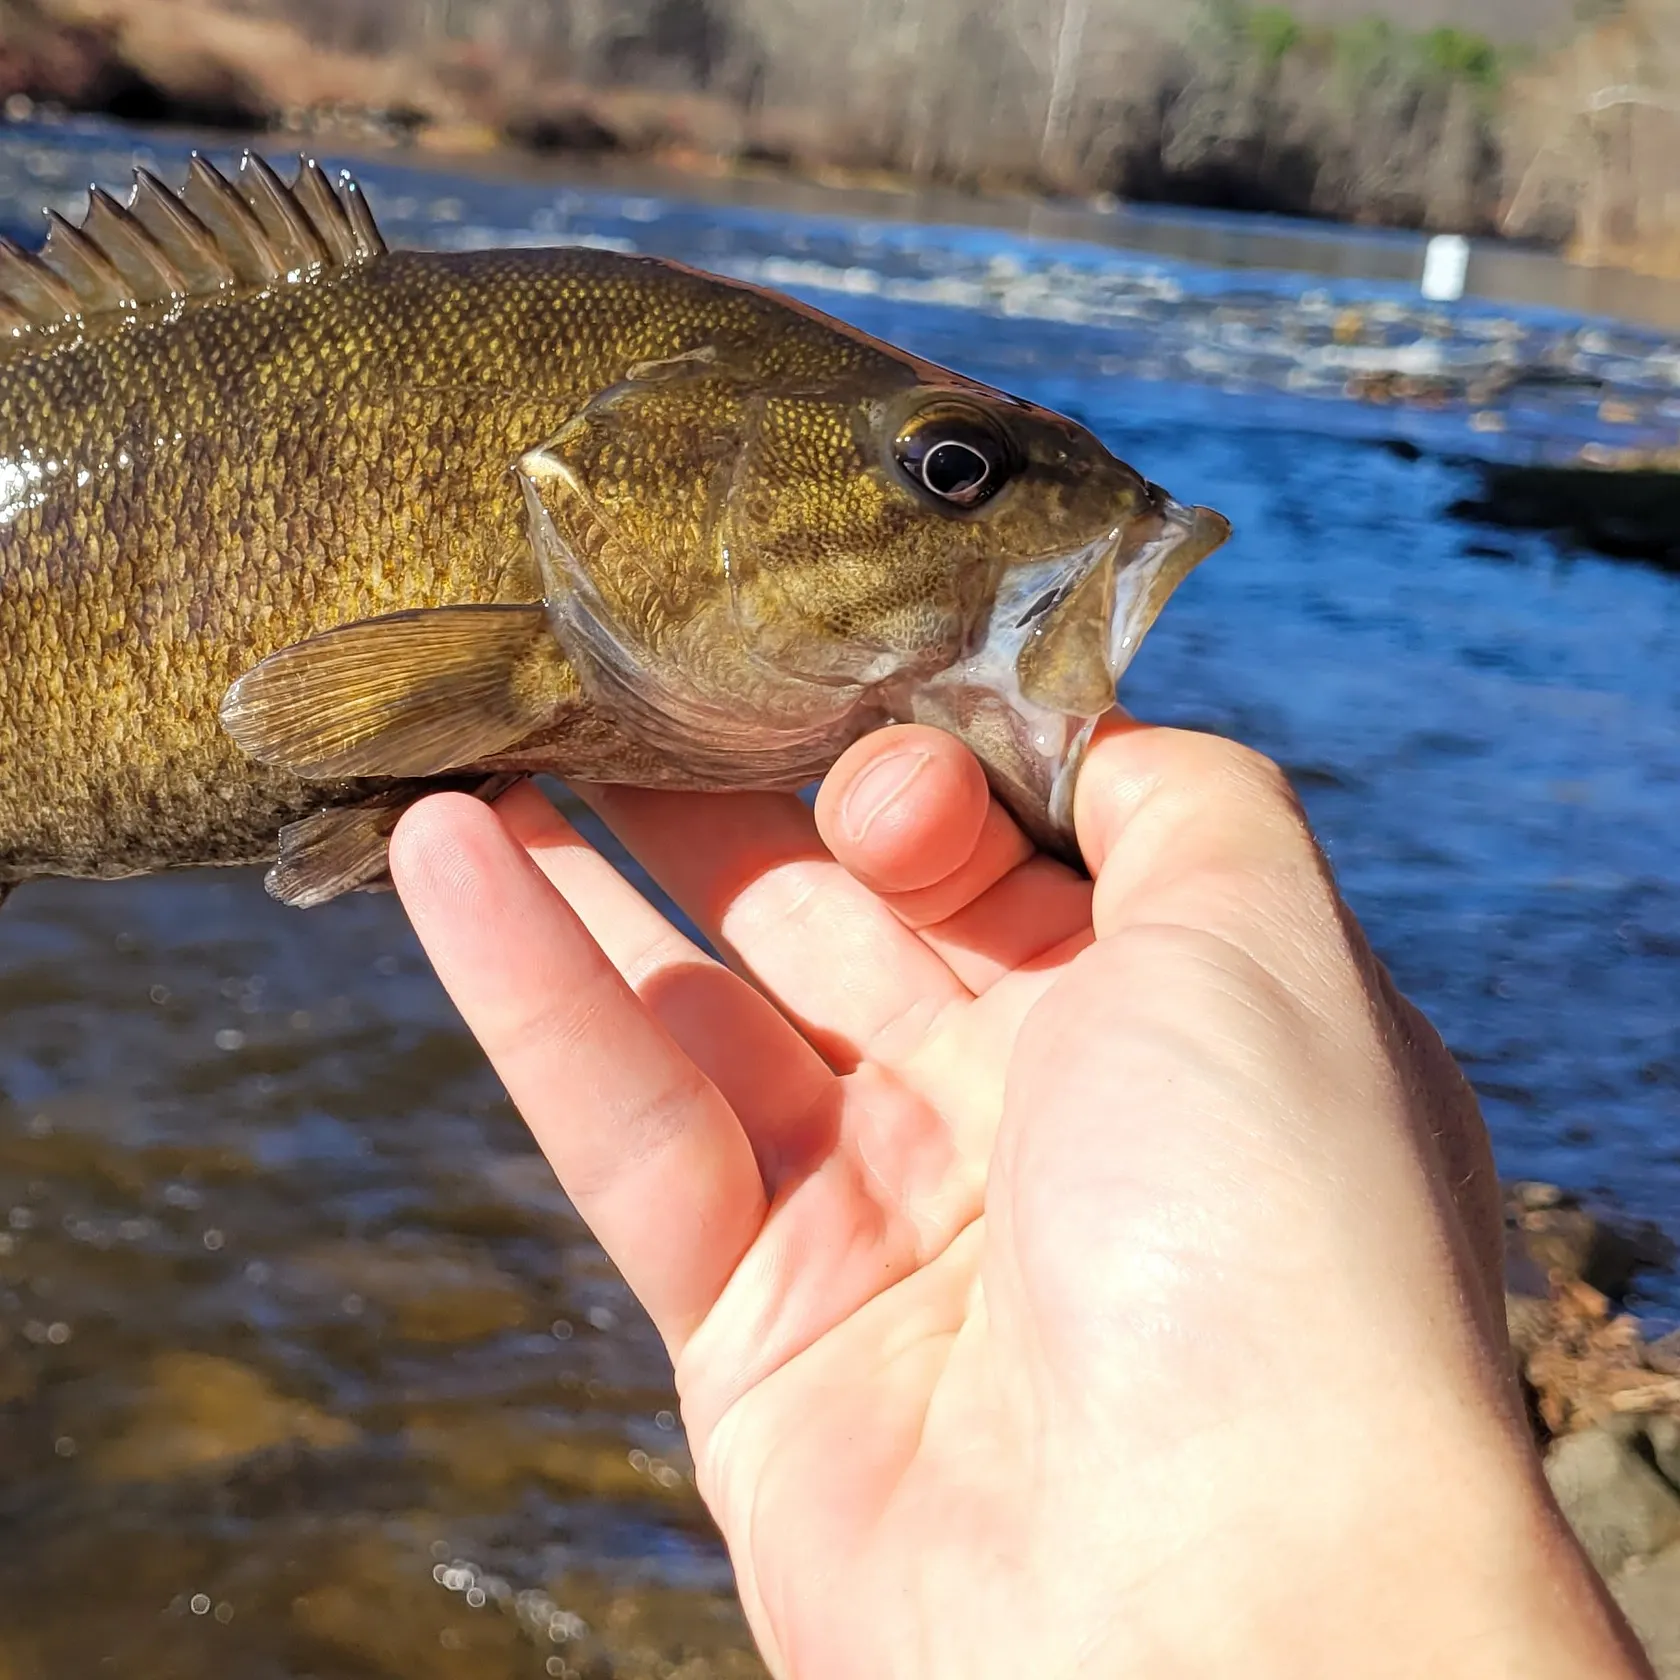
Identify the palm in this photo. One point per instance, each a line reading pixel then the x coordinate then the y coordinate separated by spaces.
pixel 844 1377
pixel 801 1188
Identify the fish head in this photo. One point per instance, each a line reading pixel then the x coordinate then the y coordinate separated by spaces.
pixel 977 562
pixel 751 565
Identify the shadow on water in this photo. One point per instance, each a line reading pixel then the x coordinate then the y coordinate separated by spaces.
pixel 306 1366
pixel 1631 515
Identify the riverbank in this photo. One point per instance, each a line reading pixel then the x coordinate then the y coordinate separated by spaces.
pixel 1603 1396
pixel 1554 136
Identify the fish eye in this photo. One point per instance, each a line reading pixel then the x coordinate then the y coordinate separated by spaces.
pixel 956 454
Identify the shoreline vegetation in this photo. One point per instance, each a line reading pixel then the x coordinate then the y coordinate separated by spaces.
pixel 1555 123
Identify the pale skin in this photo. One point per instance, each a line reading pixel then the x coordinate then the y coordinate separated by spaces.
pixel 1060 1279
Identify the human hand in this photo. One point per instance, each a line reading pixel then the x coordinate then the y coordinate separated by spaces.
pixel 1059 1279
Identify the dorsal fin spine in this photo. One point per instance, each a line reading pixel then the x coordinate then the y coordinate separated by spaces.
pixel 368 236
pixel 141 259
pixel 180 234
pixel 324 208
pixel 89 273
pixel 210 195
pixel 210 238
pixel 31 287
pixel 293 236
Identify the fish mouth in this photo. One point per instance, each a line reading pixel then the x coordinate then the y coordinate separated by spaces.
pixel 1148 569
pixel 1062 631
pixel 1146 578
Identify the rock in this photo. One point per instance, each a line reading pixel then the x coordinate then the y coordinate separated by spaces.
pixel 1524 1275
pixel 651 1631
pixel 430 1293
pixel 1621 1250
pixel 1528 1322
pixel 1528 1306
pixel 1585 1364
pixel 382 1611
pixel 1564 1266
pixel 1559 1239
pixel 1582 1359
pixel 1547 1232
pixel 1648 1590
pixel 1662 1435
pixel 198 1412
pixel 1619 1507
pixel 1529 1195
pixel 19 1376
pixel 490 1451
pixel 1623 503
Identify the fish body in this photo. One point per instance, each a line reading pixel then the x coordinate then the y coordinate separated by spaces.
pixel 290 538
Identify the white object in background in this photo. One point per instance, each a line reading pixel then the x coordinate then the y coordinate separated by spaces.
pixel 1446 261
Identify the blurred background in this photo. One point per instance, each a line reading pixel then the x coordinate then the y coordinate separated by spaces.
pixel 1550 119
pixel 307 1369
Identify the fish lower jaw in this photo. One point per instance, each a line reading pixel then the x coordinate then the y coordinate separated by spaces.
pixel 1029 752
pixel 1185 537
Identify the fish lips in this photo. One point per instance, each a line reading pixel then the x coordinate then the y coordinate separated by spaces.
pixel 1062 631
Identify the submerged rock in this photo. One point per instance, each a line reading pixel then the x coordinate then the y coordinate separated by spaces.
pixel 381 1609
pixel 1570 1243
pixel 491 1452
pixel 1627 507
pixel 425 1292
pixel 199 1412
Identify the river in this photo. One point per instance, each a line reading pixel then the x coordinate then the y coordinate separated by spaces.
pixel 306 1366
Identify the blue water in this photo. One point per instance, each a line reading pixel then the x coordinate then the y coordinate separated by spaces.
pixel 216 1115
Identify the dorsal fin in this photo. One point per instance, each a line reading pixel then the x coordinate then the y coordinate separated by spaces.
pixel 367 234
pixel 211 197
pixel 137 257
pixel 83 267
pixel 213 237
pixel 326 211
pixel 289 230
pixel 189 244
pixel 31 288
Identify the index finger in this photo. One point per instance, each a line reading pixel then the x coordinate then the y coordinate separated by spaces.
pixel 908 812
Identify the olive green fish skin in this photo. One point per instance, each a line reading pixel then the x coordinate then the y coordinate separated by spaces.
pixel 180 498
pixel 320 526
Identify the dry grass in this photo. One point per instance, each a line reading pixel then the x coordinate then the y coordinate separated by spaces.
pixel 1593 142
pixel 1317 109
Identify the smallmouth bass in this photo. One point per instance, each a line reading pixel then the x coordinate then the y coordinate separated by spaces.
pixel 295 529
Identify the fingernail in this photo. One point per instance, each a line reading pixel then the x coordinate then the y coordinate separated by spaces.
pixel 876 789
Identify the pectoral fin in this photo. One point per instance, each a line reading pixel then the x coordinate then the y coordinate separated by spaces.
pixel 411 694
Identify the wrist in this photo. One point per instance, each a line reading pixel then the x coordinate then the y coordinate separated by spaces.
pixel 1392 1555
pixel 1454 1563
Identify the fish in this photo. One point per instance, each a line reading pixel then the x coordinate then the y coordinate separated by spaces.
pixel 296 528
